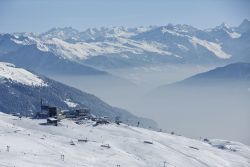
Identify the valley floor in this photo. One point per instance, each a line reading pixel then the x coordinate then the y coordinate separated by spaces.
pixel 24 142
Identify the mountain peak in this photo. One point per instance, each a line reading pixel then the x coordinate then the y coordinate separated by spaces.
pixel 245 21
pixel 224 25
pixel 244 26
pixel 63 33
pixel 62 29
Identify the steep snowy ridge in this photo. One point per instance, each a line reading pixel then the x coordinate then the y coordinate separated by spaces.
pixel 24 142
pixel 142 45
pixel 21 92
pixel 85 50
pixel 92 34
pixel 8 72
pixel 211 46
pixel 230 31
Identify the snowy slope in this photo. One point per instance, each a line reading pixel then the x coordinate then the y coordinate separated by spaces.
pixel 120 45
pixel 34 145
pixel 11 73
pixel 21 92
pixel 213 47
pixel 31 57
pixel 92 34
pixel 140 45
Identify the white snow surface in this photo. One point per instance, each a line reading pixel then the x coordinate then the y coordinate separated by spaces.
pixel 234 34
pixel 117 41
pixel 165 30
pixel 70 103
pixel 11 73
pixel 34 145
pixel 182 47
pixel 84 50
pixel 31 40
pixel 211 46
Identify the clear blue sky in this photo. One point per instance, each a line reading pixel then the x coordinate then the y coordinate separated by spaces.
pixel 41 15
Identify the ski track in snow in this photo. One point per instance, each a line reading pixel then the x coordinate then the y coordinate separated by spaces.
pixel 35 145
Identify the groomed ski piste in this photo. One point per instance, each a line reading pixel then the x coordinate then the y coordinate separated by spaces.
pixel 27 142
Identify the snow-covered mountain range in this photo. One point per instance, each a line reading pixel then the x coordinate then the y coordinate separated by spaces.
pixel 21 92
pixel 33 57
pixel 70 52
pixel 24 142
pixel 125 47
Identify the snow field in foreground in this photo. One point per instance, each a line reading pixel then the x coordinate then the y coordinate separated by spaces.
pixel 35 145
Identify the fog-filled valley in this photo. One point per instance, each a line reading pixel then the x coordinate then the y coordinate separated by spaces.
pixel 168 74
pixel 130 83
pixel 220 110
pixel 131 68
pixel 133 82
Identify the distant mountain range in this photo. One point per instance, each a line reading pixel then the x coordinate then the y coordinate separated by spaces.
pixel 217 101
pixel 22 90
pixel 33 58
pixel 234 76
pixel 236 72
pixel 125 47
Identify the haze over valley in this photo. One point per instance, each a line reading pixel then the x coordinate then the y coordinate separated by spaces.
pixel 123 66
pixel 94 83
